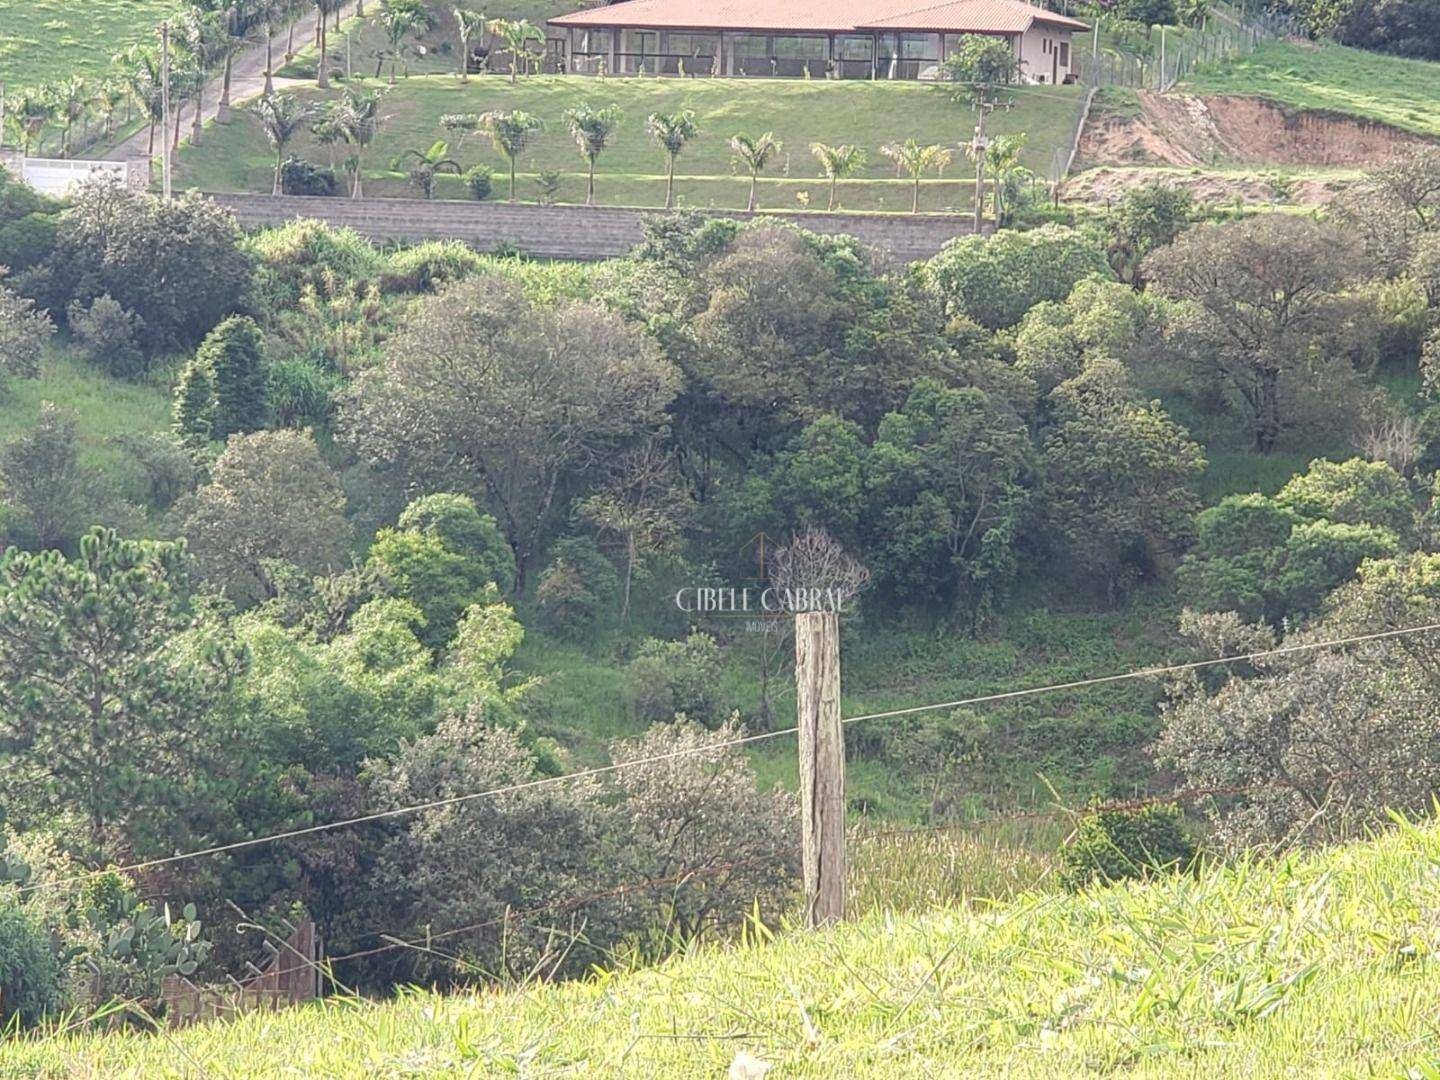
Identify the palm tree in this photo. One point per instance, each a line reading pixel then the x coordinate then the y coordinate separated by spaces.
pixel 281 117
pixel 468 23
pixel 517 35
pixel 462 124
pixel 399 19
pixel 32 109
pixel 754 154
pixel 425 165
pixel 837 162
pixel 592 129
pixel 112 94
pixel 324 8
pixel 1002 157
pixel 511 132
pixel 358 115
pixel 202 34
pixel 672 131
pixel 916 160
pixel 326 127
pixel 69 101
pixel 143 79
pixel 228 38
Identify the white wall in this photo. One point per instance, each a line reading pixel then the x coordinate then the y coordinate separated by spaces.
pixel 1038 63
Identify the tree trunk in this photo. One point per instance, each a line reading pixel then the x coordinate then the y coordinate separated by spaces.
pixel 323 81
pixel 150 143
pixel 290 42
pixel 279 161
pixel 269 61
pixel 630 557
pixel 590 187
pixel 915 197
pixel 222 112
pixel 670 184
pixel 754 179
pixel 355 192
pixel 512 179
pixel 464 59
pixel 831 204
pixel 198 119
pixel 1267 418
pixel 175 142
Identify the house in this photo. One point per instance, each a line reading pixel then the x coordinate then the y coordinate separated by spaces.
pixel 817 39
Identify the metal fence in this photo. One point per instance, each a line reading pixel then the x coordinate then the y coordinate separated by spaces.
pixel 1169 55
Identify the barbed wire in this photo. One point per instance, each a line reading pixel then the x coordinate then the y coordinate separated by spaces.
pixel 741 740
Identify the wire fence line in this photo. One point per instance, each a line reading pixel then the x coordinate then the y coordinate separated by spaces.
pixel 1158 671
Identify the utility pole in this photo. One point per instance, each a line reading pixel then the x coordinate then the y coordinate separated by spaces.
pixel 822 764
pixel 165 111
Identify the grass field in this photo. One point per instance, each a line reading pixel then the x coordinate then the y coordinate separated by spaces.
pixel 105 407
pixel 1312 966
pixel 631 172
pixel 1402 93
pixel 45 40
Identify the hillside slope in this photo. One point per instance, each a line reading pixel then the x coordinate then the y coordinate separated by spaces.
pixel 1316 966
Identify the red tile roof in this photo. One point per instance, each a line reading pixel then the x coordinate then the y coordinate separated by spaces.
pixel 823 16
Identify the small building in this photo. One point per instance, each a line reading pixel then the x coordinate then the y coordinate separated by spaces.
pixel 817 39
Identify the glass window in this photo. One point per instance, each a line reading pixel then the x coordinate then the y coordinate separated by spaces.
pixel 802 48
pixel 855 48
pixel 690 44
pixel 920 46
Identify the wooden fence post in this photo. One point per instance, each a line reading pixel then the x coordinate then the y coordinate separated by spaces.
pixel 822 764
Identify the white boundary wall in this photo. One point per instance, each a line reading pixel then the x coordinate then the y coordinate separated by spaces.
pixel 54 176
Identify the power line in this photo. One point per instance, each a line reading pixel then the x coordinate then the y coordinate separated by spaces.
pixel 743 740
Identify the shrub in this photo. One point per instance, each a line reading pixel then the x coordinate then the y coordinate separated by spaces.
pixel 1113 845
pixel 169 470
pixel 299 177
pixel 996 279
pixel 668 678
pixel 30 975
pixel 577 586
pixel 426 267
pixel 478 182
pixel 299 393
pixel 441 556
pixel 28 241
pixel 307 252
pixel 109 336
pixel 178 265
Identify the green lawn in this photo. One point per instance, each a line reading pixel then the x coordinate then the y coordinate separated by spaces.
pixel 1374 86
pixel 631 171
pixel 45 40
pixel 1313 966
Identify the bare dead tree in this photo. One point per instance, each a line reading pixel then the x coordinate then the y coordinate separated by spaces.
pixel 1395 440
pixel 814 562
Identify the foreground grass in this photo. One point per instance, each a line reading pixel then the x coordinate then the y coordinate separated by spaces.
pixel 631 170
pixel 1370 85
pixel 1313 966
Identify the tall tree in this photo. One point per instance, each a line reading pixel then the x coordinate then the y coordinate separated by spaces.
pixel 425 165
pixel 837 162
pixel 518 35
pixel 400 19
pixel 1263 295
pixel 271 498
pixel 109 687
pixel 358 115
pixel 592 128
pixel 484 393
pixel 233 353
pixel 754 154
pixel 916 160
pixel 281 117
pixel 468 25
pixel 23 332
pixel 511 132
pixel 672 131
pixel 71 98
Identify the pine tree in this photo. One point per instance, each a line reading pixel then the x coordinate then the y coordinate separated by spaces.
pixel 194 407
pixel 234 354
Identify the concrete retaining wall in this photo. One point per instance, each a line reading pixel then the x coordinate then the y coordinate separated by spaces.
pixel 565 232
